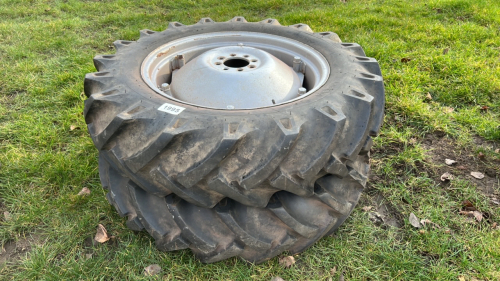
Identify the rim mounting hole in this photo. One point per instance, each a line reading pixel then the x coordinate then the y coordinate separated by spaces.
pixel 218 63
pixel 240 69
pixel 221 58
pixel 236 63
pixel 246 56
pixel 252 66
pixel 225 68
pixel 254 60
pixel 232 55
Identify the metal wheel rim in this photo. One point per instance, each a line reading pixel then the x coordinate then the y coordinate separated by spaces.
pixel 156 68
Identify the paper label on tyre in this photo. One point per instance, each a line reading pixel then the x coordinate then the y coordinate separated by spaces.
pixel 170 108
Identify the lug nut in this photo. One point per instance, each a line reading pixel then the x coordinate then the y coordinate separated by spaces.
pixel 302 91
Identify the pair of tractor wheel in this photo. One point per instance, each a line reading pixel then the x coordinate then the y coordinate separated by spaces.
pixel 234 138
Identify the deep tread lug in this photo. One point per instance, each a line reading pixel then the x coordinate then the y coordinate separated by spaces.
pixel 270 21
pixel 354 48
pixel 206 21
pixel 302 27
pixel 330 36
pixel 175 24
pixel 238 19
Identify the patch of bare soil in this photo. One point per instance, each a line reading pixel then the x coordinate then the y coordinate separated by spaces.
pixel 467 161
pixel 13 251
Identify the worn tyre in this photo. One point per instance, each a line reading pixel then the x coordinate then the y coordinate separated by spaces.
pixel 204 154
pixel 288 223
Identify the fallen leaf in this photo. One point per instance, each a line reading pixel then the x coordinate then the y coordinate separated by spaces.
pixel 447 109
pixel 73 127
pixel 445 51
pixel 414 221
pixel 494 225
pixel 101 236
pixel 449 162
pixel 467 203
pixel 84 192
pixel 7 216
pixel 367 208
pixel 277 278
pixel 421 231
pixel 333 270
pixel 477 175
pixel 484 108
pixel 478 215
pixel 481 155
pixel 497 150
pixel 447 231
pixel 151 270
pixel 428 96
pixel 461 278
pixel 462 168
pixel 88 256
pixel 405 60
pixel 446 177
pixel 286 262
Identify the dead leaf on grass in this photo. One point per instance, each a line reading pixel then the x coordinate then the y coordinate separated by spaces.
pixel 333 270
pixel 477 175
pixel 461 278
pixel 102 235
pixel 428 96
pixel 427 222
pixel 446 177
pixel 462 167
pixel 286 262
pixel 88 256
pixel 405 60
pixel 73 127
pixel 494 225
pixel 7 216
pixel 467 213
pixel 449 162
pixel 151 270
pixel 367 208
pixel 478 215
pixel 497 150
pixel 481 155
pixel 277 278
pixel 414 221
pixel 484 108
pixel 445 51
pixel 84 192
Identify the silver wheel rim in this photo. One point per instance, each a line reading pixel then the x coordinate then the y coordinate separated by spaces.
pixel 160 68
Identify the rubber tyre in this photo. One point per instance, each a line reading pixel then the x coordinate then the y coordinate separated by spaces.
pixel 204 155
pixel 288 223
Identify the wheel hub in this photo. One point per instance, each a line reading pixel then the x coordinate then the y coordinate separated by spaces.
pixel 235 70
pixel 235 77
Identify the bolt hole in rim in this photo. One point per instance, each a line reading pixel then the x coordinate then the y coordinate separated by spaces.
pixel 158 67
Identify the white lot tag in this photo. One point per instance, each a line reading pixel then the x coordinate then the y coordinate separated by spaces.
pixel 170 108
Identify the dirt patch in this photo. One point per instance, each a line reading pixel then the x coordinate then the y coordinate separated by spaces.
pixel 467 161
pixel 380 211
pixel 13 251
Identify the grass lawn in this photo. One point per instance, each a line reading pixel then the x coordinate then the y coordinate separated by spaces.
pixel 441 66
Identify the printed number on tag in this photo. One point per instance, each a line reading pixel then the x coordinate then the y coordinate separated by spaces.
pixel 170 108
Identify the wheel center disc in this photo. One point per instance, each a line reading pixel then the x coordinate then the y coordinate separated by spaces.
pixel 235 70
pixel 235 77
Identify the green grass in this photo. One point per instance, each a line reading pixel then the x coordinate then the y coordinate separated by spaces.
pixel 46 47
